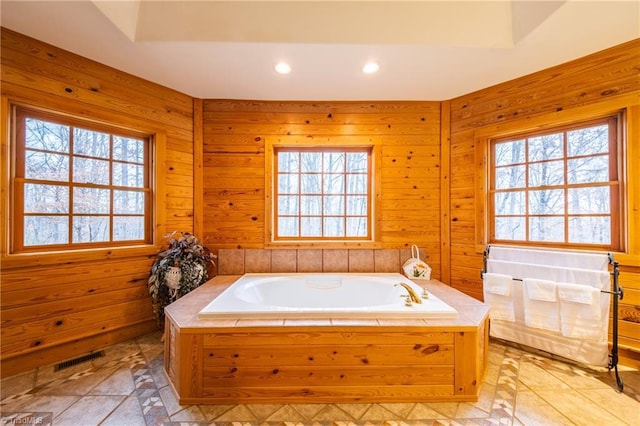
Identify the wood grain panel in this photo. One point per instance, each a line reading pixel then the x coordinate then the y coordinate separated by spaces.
pixel 234 135
pixel 89 70
pixel 327 394
pixel 348 336
pixel 69 304
pixel 323 355
pixel 325 107
pixel 391 118
pixel 281 374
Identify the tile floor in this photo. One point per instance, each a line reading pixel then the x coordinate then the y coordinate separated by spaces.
pixel 128 387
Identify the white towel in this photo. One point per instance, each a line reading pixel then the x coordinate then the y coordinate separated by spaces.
pixel 543 290
pixel 541 308
pixel 523 269
pixel 564 259
pixel 498 294
pixel 580 311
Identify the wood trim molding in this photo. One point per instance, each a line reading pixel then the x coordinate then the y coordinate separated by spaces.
pixel 28 361
pixel 445 192
pixel 198 167
pixel 5 155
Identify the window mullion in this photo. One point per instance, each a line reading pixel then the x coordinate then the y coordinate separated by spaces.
pixel 72 186
pixel 565 165
pixel 111 191
pixel 527 195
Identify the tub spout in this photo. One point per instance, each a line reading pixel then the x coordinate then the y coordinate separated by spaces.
pixel 412 294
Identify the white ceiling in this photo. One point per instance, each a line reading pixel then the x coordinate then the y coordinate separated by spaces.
pixel 427 50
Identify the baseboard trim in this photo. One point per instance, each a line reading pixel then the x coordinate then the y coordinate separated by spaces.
pixel 65 351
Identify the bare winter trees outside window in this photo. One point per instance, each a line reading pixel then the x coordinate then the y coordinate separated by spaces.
pixel 322 194
pixel 558 187
pixel 77 184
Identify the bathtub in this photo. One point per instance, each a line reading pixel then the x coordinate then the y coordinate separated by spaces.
pixel 323 295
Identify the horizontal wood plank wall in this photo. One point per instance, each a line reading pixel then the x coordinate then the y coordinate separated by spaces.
pixel 594 80
pixel 57 310
pixel 234 165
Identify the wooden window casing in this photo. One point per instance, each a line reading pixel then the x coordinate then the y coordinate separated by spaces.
pixel 528 190
pixel 69 184
pixel 322 215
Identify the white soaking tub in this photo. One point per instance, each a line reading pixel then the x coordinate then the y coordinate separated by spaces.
pixel 324 295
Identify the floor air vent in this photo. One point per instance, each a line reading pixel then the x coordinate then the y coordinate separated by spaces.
pixel 79 360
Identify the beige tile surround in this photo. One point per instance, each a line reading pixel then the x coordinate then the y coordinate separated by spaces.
pixel 241 261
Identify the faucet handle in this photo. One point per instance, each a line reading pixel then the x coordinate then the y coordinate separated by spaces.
pixel 407 301
pixel 425 294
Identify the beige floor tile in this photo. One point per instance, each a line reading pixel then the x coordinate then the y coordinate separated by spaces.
pixel 584 380
pixel 423 411
pixel 400 409
pixel 377 413
pixel 467 410
pixel 308 411
pixel 212 412
pixel 17 384
pixel 151 339
pixel 118 383
pixel 447 409
pixel 47 374
pixel 537 378
pixel 285 413
pixel 80 383
pixel 496 354
pixel 127 414
pixel 189 414
pixel 492 374
pixel 485 398
pixel 151 345
pixel 354 410
pixel 169 400
pixel 622 406
pixel 117 352
pixel 156 368
pixel 239 413
pixel 88 410
pixel 532 410
pixel 40 403
pixel 517 422
pixel 262 411
pixel 578 408
pixel 332 413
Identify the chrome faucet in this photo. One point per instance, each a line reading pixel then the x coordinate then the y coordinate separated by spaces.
pixel 412 293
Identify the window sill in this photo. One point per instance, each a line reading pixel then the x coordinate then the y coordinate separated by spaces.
pixel 323 244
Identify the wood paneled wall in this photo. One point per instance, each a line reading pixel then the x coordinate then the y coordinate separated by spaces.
pixel 410 167
pixel 213 181
pixel 57 307
pixel 605 81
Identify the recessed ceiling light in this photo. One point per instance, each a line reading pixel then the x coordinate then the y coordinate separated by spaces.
pixel 283 68
pixel 370 68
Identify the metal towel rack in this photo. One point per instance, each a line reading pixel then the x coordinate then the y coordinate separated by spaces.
pixel 618 294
